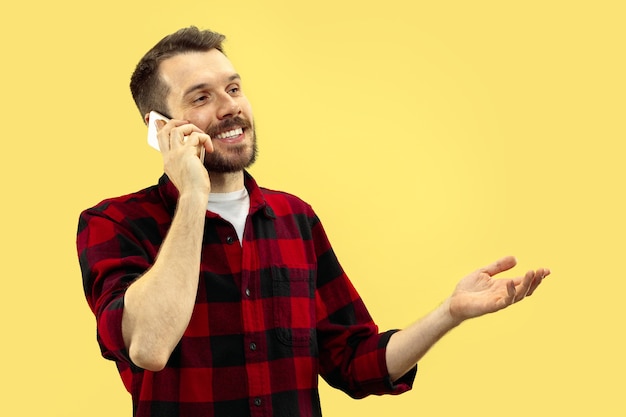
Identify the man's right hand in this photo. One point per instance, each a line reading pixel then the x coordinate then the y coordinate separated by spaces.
pixel 181 143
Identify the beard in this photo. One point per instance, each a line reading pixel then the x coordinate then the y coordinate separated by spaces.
pixel 235 158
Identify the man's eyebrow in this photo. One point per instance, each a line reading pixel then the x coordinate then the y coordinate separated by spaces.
pixel 207 85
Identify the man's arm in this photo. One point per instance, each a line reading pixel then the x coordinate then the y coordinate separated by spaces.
pixel 158 306
pixel 475 295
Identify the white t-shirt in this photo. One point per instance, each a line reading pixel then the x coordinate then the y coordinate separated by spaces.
pixel 232 207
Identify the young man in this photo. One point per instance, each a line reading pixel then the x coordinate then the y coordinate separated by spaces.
pixel 216 297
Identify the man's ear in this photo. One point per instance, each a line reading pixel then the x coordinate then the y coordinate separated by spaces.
pixel 146 118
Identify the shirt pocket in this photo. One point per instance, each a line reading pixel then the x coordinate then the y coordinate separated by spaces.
pixel 293 298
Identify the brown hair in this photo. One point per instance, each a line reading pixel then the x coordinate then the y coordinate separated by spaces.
pixel 148 89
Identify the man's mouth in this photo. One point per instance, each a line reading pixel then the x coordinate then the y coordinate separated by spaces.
pixel 229 134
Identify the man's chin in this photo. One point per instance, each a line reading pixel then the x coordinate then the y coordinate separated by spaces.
pixel 220 164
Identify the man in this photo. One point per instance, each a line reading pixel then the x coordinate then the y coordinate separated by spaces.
pixel 216 297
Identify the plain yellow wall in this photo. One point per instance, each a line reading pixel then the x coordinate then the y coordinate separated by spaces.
pixel 431 137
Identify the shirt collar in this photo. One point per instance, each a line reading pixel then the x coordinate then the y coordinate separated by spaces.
pixel 169 194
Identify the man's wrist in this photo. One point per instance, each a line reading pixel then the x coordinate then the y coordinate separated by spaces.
pixel 449 318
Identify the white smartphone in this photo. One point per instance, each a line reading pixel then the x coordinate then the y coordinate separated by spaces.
pixel 152 130
pixel 152 133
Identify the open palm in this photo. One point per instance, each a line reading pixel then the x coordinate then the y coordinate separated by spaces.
pixel 479 293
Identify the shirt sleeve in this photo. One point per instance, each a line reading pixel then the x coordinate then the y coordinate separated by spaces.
pixel 351 348
pixel 111 258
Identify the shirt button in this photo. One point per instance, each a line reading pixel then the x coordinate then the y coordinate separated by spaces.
pixel 247 292
pixel 257 402
pixel 252 346
pixel 230 240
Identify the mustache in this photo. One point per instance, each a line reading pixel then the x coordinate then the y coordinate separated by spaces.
pixel 228 124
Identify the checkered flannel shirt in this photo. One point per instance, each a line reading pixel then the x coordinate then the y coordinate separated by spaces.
pixel 270 315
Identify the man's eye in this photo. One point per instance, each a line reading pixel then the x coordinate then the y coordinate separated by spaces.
pixel 201 99
pixel 234 90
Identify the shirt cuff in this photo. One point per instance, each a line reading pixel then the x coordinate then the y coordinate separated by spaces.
pixel 110 335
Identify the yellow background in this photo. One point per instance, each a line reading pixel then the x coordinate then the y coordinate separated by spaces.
pixel 431 137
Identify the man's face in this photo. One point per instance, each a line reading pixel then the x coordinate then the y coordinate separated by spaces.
pixel 205 89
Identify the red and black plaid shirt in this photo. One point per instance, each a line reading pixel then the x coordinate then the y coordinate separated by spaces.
pixel 270 315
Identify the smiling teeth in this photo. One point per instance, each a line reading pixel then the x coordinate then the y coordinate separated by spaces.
pixel 230 134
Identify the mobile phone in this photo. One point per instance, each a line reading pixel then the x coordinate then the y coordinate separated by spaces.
pixel 152 130
pixel 152 133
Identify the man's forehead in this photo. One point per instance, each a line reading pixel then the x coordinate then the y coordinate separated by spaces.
pixel 182 70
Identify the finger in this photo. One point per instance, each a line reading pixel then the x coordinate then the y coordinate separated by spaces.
pixel 164 131
pixel 197 138
pixel 202 139
pixel 511 291
pixel 540 275
pixel 188 128
pixel 177 137
pixel 202 142
pixel 534 286
pixel 501 265
pixel 208 144
pixel 522 289
pixel 162 134
pixel 180 133
pixel 159 123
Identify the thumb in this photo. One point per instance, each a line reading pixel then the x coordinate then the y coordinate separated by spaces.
pixel 501 265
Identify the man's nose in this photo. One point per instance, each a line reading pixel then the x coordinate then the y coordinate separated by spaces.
pixel 228 107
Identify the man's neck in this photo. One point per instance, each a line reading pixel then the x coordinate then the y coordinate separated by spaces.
pixel 226 182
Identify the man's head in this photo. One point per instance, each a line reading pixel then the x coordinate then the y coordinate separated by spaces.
pixel 186 76
pixel 146 86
